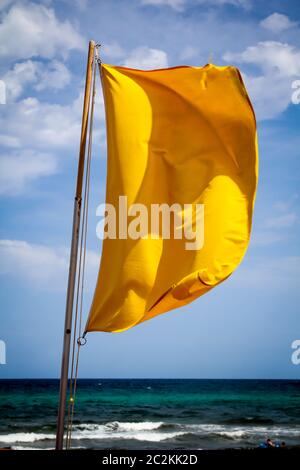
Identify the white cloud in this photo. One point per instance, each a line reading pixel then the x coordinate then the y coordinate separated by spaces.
pixel 180 5
pixel 266 238
pixel 5 3
pixel 274 229
pixel 270 56
pixel 189 52
pixel 282 221
pixel 35 124
pixel 19 77
pixel 9 141
pixel 80 4
pixel 270 94
pixel 146 58
pixel 31 130
pixel 29 29
pixel 112 51
pixel 54 75
pixel 284 206
pixel 276 23
pixel 35 262
pixel 176 4
pixel 269 273
pixel 141 57
pixel 237 3
pixel 279 64
pixel 17 170
pixel 46 267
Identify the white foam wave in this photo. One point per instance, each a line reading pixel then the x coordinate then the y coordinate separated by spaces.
pixel 25 437
pixel 155 432
pixel 239 432
pixel 119 426
pixel 141 431
pixel 31 448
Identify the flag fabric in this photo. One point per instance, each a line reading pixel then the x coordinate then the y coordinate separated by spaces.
pixel 182 135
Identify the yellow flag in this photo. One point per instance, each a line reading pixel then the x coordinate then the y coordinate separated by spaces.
pixel 181 139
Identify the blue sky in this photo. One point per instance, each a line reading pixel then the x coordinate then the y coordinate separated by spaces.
pixel 243 328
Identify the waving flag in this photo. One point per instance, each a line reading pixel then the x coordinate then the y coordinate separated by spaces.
pixel 182 139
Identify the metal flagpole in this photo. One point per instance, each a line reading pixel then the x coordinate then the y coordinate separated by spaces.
pixel 73 254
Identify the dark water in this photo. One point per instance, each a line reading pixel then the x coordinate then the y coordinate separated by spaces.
pixel 153 414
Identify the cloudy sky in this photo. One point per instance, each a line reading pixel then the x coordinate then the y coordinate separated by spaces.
pixel 243 328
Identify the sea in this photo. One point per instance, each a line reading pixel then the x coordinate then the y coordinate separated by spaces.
pixel 156 414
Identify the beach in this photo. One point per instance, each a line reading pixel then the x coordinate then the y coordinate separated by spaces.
pixel 153 413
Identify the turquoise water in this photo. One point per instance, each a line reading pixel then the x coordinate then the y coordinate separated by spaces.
pixel 153 414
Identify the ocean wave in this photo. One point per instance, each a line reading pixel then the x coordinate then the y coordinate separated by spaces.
pixel 249 420
pixel 151 431
pixel 25 437
pixel 119 426
pixel 31 448
pixel 141 431
pixel 243 431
